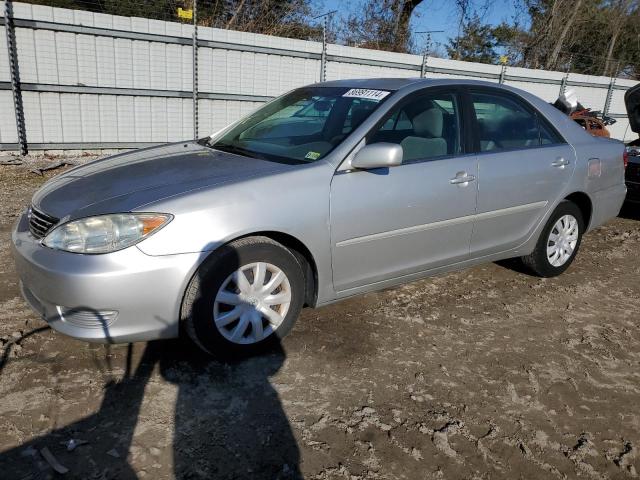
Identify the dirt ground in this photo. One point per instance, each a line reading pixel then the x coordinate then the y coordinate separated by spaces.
pixel 485 373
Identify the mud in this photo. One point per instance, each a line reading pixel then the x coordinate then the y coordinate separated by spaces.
pixel 485 373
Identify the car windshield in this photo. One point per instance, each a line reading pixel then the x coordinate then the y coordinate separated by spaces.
pixel 302 126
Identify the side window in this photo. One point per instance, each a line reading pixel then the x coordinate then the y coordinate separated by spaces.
pixel 548 136
pixel 360 109
pixel 504 123
pixel 397 121
pixel 426 127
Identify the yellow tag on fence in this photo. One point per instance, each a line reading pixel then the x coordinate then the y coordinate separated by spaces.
pixel 186 14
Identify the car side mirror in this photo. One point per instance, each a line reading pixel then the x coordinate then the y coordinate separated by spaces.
pixel 378 155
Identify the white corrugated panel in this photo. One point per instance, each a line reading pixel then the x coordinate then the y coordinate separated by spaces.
pixel 8 132
pixel 187 120
pixel 42 12
pixel 463 66
pixel 32 117
pixel 67 58
pixel 22 10
pixel 126 119
pixel 87 69
pixel 92 126
pixel 107 106
pixel 123 63
pixel 158 66
pixel 143 119
pixel 617 102
pixel 71 116
pixel 340 70
pixel 621 130
pixel 27 55
pixel 547 91
pixel 47 65
pixel 174 67
pixel 141 64
pixel 50 111
pixel 174 113
pixel 106 61
pixel 72 59
pixel 5 76
pixel 159 120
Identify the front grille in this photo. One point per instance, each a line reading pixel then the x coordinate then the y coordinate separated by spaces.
pixel 40 223
pixel 633 172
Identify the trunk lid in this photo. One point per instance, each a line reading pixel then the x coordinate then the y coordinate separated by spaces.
pixel 632 102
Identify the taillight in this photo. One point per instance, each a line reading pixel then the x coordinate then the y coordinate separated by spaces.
pixel 625 158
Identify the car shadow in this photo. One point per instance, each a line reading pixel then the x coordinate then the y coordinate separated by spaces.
pixel 630 211
pixel 515 265
pixel 228 421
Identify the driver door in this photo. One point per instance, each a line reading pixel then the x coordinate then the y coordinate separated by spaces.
pixel 401 221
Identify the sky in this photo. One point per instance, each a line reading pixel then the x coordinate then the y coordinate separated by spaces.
pixel 433 15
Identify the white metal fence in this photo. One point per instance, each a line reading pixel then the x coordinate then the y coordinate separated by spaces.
pixel 93 81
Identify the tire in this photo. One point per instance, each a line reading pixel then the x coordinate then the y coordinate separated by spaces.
pixel 539 261
pixel 222 318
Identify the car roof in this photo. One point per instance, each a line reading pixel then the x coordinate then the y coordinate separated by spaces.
pixel 400 83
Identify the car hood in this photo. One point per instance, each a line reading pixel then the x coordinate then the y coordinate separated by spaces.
pixel 129 181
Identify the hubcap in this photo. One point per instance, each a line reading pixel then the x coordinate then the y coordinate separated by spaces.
pixel 562 240
pixel 252 303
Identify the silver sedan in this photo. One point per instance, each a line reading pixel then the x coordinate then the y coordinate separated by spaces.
pixel 326 192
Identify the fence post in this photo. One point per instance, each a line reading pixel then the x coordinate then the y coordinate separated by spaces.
pixel 15 76
pixel 195 70
pixel 423 69
pixel 323 56
pixel 612 84
pixel 503 72
pixel 565 79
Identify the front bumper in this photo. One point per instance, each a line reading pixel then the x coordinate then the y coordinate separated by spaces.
pixel 119 297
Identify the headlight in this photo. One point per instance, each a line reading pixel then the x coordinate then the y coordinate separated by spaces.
pixel 105 233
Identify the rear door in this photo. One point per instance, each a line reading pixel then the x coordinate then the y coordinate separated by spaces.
pixel 524 166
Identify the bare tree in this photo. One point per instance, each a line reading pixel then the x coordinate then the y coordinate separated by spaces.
pixel 619 13
pixel 381 24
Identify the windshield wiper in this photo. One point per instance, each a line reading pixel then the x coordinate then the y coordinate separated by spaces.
pixel 226 147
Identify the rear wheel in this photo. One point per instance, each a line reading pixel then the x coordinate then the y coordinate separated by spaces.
pixel 559 242
pixel 245 296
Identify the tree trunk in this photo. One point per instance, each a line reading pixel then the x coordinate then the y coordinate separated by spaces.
pixel 402 23
pixel 618 23
pixel 555 52
pixel 233 18
pixel 612 45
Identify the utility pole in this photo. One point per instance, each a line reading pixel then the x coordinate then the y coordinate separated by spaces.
pixel 323 56
pixel 425 54
pixel 195 69
pixel 14 72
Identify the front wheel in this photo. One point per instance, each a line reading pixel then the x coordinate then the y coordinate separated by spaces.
pixel 245 296
pixel 559 242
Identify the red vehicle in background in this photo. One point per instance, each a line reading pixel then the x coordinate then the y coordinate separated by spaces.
pixel 592 124
pixel 593 121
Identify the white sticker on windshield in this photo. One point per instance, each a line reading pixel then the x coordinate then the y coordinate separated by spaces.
pixel 366 93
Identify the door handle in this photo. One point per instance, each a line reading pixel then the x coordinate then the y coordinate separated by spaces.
pixel 462 178
pixel 560 162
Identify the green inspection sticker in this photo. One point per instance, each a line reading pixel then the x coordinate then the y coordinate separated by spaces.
pixel 312 155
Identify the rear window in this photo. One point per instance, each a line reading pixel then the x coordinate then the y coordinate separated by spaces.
pixel 505 123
